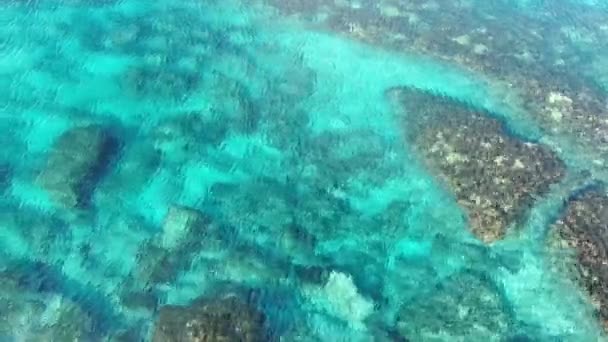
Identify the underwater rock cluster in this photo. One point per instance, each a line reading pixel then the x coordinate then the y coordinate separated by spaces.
pixel 225 318
pixel 190 237
pixel 583 227
pixel 494 175
pixel 163 256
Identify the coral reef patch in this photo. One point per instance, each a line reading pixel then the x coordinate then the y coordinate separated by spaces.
pixel 494 175
pixel 583 228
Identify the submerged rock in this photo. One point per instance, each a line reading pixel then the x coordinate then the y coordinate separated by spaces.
pixel 336 294
pixel 187 234
pixel 75 163
pixel 465 307
pixel 222 319
pixel 494 175
pixel 184 232
pixel 180 224
pixel 584 228
pixel 35 316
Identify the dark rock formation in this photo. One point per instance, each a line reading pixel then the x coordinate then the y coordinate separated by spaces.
pixel 494 175
pixel 465 307
pixel 221 319
pixel 75 163
pixel 584 227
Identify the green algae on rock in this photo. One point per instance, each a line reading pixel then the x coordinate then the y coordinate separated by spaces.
pixel 583 227
pixel 465 307
pixel 225 318
pixel 74 164
pixel 494 175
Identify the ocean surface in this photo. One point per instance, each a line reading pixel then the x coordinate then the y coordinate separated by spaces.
pixel 303 170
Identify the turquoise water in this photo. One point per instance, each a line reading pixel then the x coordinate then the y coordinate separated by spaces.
pixel 281 135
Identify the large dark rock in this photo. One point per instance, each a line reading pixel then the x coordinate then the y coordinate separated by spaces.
pixel 75 162
pixel 494 175
pixel 221 319
pixel 584 228
pixel 465 307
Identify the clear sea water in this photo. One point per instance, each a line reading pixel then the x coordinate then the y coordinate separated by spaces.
pixel 277 128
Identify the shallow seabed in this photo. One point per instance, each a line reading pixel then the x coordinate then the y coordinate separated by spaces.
pixel 249 152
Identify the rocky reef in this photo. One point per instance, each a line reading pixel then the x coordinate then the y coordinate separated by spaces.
pixel 583 228
pixel 539 58
pixel 75 162
pixel 218 319
pixel 465 307
pixel 494 175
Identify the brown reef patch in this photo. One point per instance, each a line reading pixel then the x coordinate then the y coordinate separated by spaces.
pixel 583 227
pixel 494 175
